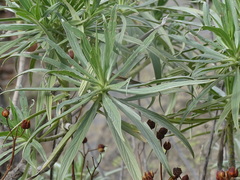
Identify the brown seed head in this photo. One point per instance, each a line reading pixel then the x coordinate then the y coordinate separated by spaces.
pixel 25 124
pixel 148 175
pixel 220 175
pixel 84 140
pixel 163 130
pixel 71 53
pixel 151 124
pixel 177 172
pixel 101 148
pixel 185 177
pixel 5 113
pixel 232 172
pixel 32 47
pixel 160 136
pixel 167 146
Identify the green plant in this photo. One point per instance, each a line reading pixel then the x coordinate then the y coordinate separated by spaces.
pixel 90 53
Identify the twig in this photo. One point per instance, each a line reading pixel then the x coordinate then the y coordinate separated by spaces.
pixel 208 152
pixel 17 172
pixel 93 174
pixel 161 170
pixel 9 166
pixel 21 66
pixel 73 171
pixel 51 138
pixel 186 162
pixel 99 168
pixel 53 147
pixel 121 172
pixel 84 154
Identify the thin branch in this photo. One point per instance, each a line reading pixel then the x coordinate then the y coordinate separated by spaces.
pixel 208 152
pixel 186 162
pixel 99 168
pixel 51 138
pixel 22 61
pixel 17 172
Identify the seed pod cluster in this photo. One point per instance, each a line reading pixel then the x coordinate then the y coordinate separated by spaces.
pixel 231 173
pixel 177 172
pixel 161 133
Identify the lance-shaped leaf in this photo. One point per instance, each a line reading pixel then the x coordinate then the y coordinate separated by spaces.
pixel 235 99
pixel 147 133
pixel 77 139
pixel 113 114
pixel 126 152
pixel 162 87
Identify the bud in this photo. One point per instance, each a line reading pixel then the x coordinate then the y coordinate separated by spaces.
pixel 101 148
pixel 151 124
pixel 220 175
pixel 161 133
pixel 32 47
pixel 84 140
pixel 232 172
pixel 148 175
pixel 71 53
pixel 5 113
pixel 177 172
pixel 163 130
pixel 25 124
pixel 167 146
pixel 185 177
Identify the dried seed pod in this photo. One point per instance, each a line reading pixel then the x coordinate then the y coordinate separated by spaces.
pixel 185 177
pixel 151 124
pixel 177 172
pixel 163 130
pixel 148 175
pixel 32 48
pixel 101 148
pixel 5 113
pixel 167 146
pixel 25 124
pixel 161 133
pixel 84 140
pixel 220 175
pixel 232 172
pixel 160 136
pixel 71 53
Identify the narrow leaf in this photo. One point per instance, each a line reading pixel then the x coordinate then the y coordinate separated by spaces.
pixel 126 153
pixel 79 135
pixel 113 114
pixel 147 133
pixel 235 99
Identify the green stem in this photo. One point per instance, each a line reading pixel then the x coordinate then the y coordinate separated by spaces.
pixel 230 141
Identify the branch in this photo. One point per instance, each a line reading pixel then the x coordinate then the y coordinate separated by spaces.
pixel 17 172
pixel 19 80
